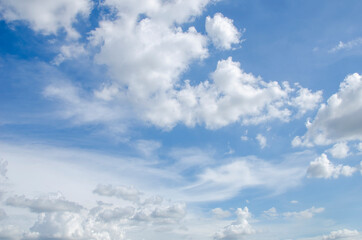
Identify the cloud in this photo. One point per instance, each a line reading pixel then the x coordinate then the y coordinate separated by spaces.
pixel 52 203
pixel 306 100
pixel 124 192
pixel 147 147
pixel 219 213
pixel 272 212
pixel 227 180
pixel 222 31
pixel 347 46
pixel 339 119
pixel 308 213
pixel 237 229
pixel 342 234
pixel 47 17
pixel 262 140
pixel 321 167
pixel 339 150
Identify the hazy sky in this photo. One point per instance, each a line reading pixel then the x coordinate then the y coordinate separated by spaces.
pixel 180 119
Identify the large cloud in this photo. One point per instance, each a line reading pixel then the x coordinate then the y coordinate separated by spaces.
pixel 47 17
pixel 339 119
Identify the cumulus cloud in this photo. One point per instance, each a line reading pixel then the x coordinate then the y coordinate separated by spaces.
pixel 47 17
pixel 145 83
pixel 127 193
pixel 308 213
pixel 339 150
pixel 219 213
pixel 51 203
pixel 262 140
pixel 321 167
pixel 339 119
pixel 222 31
pixel 342 234
pixel 239 228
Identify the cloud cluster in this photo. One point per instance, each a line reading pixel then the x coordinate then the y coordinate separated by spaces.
pixel 59 218
pixel 342 234
pixel 339 119
pixel 239 228
pixel 51 203
pixel 321 167
pixel 47 17
pixel 308 213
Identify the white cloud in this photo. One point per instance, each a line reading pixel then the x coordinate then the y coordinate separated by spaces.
pixel 342 234
pixel 339 119
pixel 339 150
pixel 306 100
pixel 237 229
pixel 262 140
pixel 47 17
pixel 359 146
pixel 219 213
pixel 145 83
pixel 69 51
pixel 51 203
pixel 321 167
pixel 124 192
pixel 224 181
pixel 308 213
pixel 294 201
pixel 272 212
pixel 348 45
pixel 222 31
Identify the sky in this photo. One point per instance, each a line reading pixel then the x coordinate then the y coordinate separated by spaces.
pixel 180 119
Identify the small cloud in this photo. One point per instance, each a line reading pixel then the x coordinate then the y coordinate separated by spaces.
pixel 219 213
pixel 294 202
pixel 339 150
pixel 308 213
pixel 262 140
pixel 347 46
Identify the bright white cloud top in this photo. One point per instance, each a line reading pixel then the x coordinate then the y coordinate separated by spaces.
pixel 180 119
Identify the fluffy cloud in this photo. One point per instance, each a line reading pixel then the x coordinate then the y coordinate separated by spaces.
pixel 339 150
pixel 321 167
pixel 342 234
pixel 52 203
pixel 222 31
pixel 262 140
pixel 237 229
pixel 124 192
pixel 47 17
pixel 233 96
pixel 339 119
pixel 308 213
pixel 145 83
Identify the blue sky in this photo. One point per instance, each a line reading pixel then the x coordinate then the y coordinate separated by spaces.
pixel 202 119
